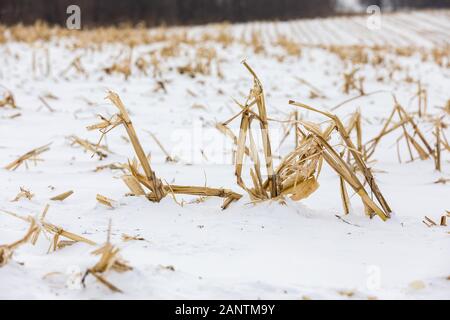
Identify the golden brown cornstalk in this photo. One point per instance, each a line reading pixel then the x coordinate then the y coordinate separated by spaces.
pixel 8 100
pixel 296 175
pixel 256 97
pixel 422 98
pixel 428 222
pixel 298 172
pixel 105 201
pixel 334 159
pixel 153 182
pixel 62 196
pixel 344 193
pixel 351 82
pixel 24 193
pixel 229 195
pixel 355 124
pixel 30 155
pixel 258 94
pixel 137 181
pixel 443 221
pixel 51 228
pixel 437 157
pixel 421 145
pixel 122 67
pixel 447 107
pixel 75 64
pixel 109 260
pixel 291 47
pixel 6 251
pixel 227 132
pixel 100 151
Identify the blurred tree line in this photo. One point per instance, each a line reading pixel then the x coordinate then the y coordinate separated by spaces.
pixel 157 12
pixel 404 4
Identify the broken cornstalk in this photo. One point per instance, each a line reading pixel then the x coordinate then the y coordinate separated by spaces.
pixel 335 160
pixel 138 182
pixel 30 155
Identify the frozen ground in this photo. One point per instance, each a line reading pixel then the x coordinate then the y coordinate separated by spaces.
pixel 295 251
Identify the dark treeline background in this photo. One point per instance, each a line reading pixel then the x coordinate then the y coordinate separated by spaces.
pixel 400 4
pixel 157 12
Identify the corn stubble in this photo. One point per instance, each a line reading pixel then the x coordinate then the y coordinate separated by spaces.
pixel 109 254
pixel 412 135
pixel 294 176
pixel 109 260
pixel 297 174
pixel 7 251
pixel 145 181
pixel 37 227
pixel 99 150
pixel 63 196
pixel 31 155
pixel 23 193
pixel 7 100
pixel 346 173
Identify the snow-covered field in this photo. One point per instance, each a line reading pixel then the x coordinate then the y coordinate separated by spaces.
pixel 192 249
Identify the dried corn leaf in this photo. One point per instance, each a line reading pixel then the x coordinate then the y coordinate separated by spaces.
pixel 62 196
pixel 304 189
pixel 23 194
pixel 30 155
pixel 105 201
pixel 133 184
pixel 6 251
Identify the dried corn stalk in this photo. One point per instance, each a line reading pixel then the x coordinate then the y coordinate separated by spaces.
pixel 23 194
pixel 443 221
pixel 126 237
pixel 260 190
pixel 56 231
pixel 62 196
pixel 428 222
pixel 109 260
pixel 8 100
pixel 100 151
pixel 291 47
pixel 298 172
pixel 229 133
pixel 335 160
pixel 351 82
pixel 30 155
pixel 415 141
pixel 77 66
pixel 296 175
pixel 437 154
pixel 6 251
pixel 138 182
pixel 123 66
pixel 105 201
pixel 229 195
pixel 154 184
pixel 422 98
